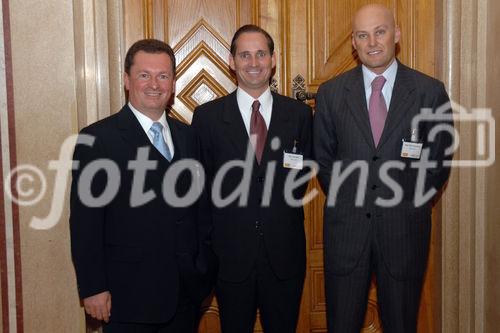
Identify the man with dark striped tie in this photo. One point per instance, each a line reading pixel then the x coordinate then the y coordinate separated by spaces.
pixel 247 141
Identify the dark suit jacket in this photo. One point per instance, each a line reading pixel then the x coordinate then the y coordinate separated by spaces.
pixel 223 138
pixel 140 254
pixel 342 134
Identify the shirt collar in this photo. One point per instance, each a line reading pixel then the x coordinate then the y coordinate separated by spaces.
pixel 389 74
pixel 245 100
pixel 147 122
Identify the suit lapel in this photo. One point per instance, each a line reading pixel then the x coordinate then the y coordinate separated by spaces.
pixel 235 128
pixel 402 99
pixel 278 127
pixel 131 129
pixel 132 132
pixel 180 143
pixel 356 101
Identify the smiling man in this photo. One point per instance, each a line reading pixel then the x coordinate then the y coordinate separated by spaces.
pixel 135 263
pixel 365 115
pixel 260 247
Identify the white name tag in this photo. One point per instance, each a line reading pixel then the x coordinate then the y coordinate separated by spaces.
pixel 411 149
pixel 292 161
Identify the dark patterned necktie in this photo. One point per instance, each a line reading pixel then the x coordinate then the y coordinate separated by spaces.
pixel 258 130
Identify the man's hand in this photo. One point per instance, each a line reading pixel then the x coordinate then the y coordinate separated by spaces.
pixel 98 306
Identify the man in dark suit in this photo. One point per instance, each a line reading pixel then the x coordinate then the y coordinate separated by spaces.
pixel 258 235
pixel 134 251
pixel 376 220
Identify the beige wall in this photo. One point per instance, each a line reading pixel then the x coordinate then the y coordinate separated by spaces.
pixel 492 311
pixel 43 64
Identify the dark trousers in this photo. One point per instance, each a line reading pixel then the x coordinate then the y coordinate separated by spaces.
pixel 185 320
pixel 347 296
pixel 278 300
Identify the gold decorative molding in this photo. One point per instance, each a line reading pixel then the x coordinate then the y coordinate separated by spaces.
pixel 202 32
pixel 238 13
pixel 166 37
pixel 202 49
pixel 256 12
pixel 284 24
pixel 406 17
pixel 176 115
pixel 147 18
pixel 202 84
pixel 314 217
pixel 202 56
pixel 92 61
pixel 318 300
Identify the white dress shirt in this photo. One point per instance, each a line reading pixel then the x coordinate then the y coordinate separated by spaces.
pixel 146 124
pixel 245 102
pixel 390 76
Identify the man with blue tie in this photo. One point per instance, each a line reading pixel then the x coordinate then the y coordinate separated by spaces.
pixel 138 258
pixel 368 151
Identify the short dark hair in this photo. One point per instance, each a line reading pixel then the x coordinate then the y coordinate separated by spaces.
pixel 148 46
pixel 251 28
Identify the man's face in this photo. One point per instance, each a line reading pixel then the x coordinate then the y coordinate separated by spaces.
pixel 253 63
pixel 374 36
pixel 150 83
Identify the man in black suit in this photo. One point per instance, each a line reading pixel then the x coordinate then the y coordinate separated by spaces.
pixel 368 150
pixel 258 235
pixel 134 249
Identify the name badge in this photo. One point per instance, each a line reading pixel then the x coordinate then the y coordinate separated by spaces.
pixel 411 149
pixel 292 161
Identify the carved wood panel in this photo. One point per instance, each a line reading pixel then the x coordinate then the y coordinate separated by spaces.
pixel 200 33
pixel 329 35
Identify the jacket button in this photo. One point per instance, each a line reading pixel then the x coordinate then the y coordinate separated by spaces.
pixel 368 215
pixel 375 158
pixel 374 187
pixel 260 179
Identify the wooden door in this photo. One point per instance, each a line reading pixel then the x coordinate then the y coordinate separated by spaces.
pixel 312 39
pixel 322 32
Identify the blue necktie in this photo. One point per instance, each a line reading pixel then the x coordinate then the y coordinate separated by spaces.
pixel 159 141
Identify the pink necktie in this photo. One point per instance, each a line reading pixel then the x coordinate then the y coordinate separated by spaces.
pixel 258 130
pixel 377 110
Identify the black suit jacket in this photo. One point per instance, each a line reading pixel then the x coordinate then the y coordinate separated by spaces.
pixel 140 254
pixel 342 135
pixel 223 138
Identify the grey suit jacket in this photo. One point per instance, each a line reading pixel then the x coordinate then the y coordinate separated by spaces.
pixel 342 137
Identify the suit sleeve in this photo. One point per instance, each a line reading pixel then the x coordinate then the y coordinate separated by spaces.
pixel 437 177
pixel 87 223
pixel 325 140
pixel 206 261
